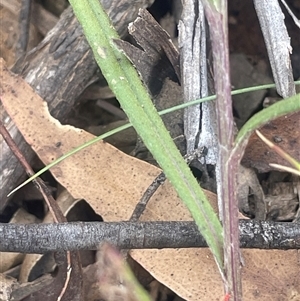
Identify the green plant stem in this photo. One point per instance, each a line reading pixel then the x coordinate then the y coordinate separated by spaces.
pixel 280 108
pixel 216 14
pixel 134 99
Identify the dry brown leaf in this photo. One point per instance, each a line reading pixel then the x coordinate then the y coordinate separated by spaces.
pixel 284 132
pixel 271 275
pixel 113 182
pixel 9 260
pixel 45 262
pixel 192 273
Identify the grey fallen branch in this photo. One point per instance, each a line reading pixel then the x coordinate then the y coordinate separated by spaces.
pixel 271 19
pixel 41 238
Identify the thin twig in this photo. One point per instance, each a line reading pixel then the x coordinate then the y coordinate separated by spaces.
pixel 24 24
pixel 296 21
pixel 57 214
pixel 141 205
pixel 42 238
pixel 69 271
pixel 159 180
pixel 216 14
pixel 39 183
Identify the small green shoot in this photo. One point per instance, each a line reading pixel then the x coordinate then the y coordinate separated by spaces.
pixel 280 108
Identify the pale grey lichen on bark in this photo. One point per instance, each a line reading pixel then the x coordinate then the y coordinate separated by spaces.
pixel 200 123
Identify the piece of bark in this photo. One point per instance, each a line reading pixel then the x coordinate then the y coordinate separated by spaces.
pixel 249 185
pixel 192 45
pixel 282 196
pixel 59 69
pixel 22 291
pixel 158 58
pixel 158 65
pixel 278 43
pixel 43 20
pixel 200 125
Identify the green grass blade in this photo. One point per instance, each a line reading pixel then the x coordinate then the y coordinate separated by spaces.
pixel 128 125
pixel 136 102
pixel 283 107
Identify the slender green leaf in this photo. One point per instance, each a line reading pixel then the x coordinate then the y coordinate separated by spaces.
pixel 280 108
pixel 136 102
pixel 128 125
